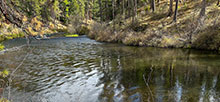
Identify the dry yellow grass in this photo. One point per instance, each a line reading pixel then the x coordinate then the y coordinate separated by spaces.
pixel 161 31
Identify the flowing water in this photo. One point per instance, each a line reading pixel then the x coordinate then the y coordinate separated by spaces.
pixel 83 70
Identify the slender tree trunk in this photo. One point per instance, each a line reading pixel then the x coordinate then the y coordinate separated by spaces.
pixel 135 9
pixel 106 10
pixel 129 8
pixel 176 11
pixel 100 10
pixel 113 13
pixel 153 7
pixel 170 13
pixel 218 2
pixel 123 8
pixel 202 12
pixel 86 10
pixel 132 10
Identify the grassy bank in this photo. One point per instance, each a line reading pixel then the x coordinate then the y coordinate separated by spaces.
pixel 36 27
pixel 159 30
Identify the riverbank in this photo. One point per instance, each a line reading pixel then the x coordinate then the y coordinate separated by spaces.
pixel 158 30
pixel 35 28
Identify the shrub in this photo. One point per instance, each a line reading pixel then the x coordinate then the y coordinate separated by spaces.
pixel 83 30
pixel 78 26
pixel 209 38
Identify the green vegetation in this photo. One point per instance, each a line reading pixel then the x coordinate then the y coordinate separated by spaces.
pixel 2 47
pixel 71 35
pixel 161 23
pixel 152 23
pixel 3 100
pixel 4 73
pixel 193 27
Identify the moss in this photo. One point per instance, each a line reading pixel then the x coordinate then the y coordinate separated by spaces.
pixel 21 34
pixel 2 47
pixel 11 36
pixel 2 38
pixel 8 37
pixel 71 35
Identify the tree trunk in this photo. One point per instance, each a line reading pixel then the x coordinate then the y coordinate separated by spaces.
pixel 202 12
pixel 218 2
pixel 132 10
pixel 153 7
pixel 113 13
pixel 129 8
pixel 176 11
pixel 86 10
pixel 106 10
pixel 170 13
pixel 123 8
pixel 135 9
pixel 100 10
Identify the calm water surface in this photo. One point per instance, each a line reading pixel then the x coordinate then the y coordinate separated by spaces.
pixel 83 70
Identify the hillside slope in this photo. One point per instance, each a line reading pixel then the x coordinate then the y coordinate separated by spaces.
pixel 158 30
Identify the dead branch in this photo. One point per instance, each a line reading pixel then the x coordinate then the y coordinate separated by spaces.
pixel 146 83
pixel 12 74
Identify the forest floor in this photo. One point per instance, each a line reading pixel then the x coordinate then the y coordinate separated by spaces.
pixel 158 30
